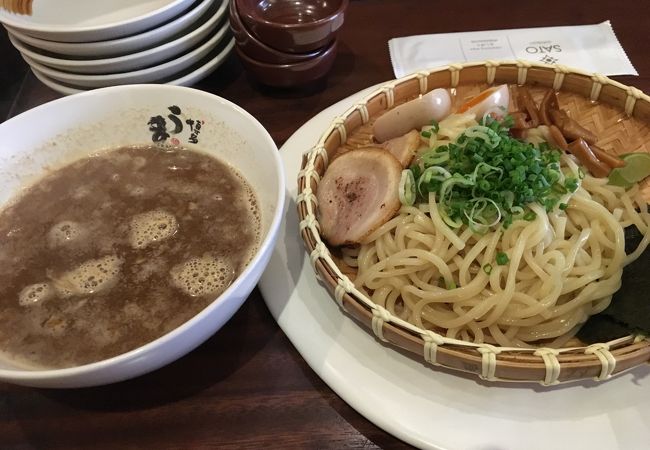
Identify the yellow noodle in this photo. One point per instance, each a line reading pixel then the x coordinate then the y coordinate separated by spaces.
pixel 563 267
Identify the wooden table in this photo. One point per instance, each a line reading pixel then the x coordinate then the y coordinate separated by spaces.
pixel 247 387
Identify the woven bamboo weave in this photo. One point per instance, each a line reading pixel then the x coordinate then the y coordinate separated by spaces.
pixel 17 6
pixel 618 114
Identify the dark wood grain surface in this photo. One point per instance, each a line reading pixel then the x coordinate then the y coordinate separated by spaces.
pixel 247 387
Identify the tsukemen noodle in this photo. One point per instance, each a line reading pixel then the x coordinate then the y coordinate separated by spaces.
pixel 501 221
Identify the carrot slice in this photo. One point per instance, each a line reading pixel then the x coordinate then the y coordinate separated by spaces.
pixel 476 100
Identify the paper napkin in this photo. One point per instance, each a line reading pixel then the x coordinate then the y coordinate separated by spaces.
pixel 593 48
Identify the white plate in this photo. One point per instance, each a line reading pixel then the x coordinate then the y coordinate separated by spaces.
pixel 92 20
pixel 194 76
pixel 60 88
pixel 121 46
pixel 134 61
pixel 422 405
pixel 148 75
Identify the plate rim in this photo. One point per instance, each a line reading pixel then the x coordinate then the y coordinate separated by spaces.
pixel 170 67
pixel 113 47
pixel 186 80
pixel 155 15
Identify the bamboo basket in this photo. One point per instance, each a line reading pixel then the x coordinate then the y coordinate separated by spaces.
pixel 618 114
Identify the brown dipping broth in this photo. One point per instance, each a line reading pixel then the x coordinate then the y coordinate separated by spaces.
pixel 143 276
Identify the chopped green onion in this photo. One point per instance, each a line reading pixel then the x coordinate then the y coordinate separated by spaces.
pixel 487 135
pixel 433 158
pixel 425 134
pixel 451 286
pixel 530 216
pixel 487 178
pixel 430 179
pixel 502 259
pixel 563 206
pixel 487 268
pixel 571 184
pixel 407 188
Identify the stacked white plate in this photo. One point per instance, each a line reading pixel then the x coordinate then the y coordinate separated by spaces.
pixel 74 46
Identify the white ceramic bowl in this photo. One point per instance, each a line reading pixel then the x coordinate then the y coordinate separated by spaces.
pixel 121 46
pixel 186 78
pixel 76 126
pixel 146 75
pixel 92 20
pixel 135 61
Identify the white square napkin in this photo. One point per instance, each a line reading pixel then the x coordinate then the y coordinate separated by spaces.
pixel 593 48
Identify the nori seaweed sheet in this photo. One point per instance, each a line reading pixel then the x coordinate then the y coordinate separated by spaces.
pixel 629 311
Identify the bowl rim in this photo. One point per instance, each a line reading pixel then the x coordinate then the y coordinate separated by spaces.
pixel 542 365
pixel 291 26
pixel 239 27
pixel 32 375
pixel 322 55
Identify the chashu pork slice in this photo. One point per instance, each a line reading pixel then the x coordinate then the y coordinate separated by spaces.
pixel 357 194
